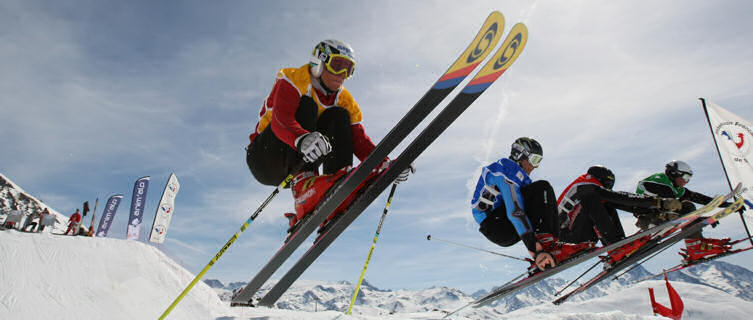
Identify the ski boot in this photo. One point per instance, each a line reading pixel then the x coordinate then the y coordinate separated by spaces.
pixel 324 226
pixel 562 251
pixel 308 190
pixel 626 250
pixel 701 248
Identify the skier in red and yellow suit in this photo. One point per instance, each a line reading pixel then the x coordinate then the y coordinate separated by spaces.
pixel 310 117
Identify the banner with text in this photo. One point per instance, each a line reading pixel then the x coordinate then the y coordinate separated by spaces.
pixel 108 215
pixel 138 201
pixel 165 210
pixel 734 138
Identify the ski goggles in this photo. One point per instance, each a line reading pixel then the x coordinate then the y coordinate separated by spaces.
pixel 686 177
pixel 535 159
pixel 338 64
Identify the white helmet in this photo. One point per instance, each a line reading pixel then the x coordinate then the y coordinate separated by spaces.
pixel 677 168
pixel 326 51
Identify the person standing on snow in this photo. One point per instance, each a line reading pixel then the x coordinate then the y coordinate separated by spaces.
pixel 30 221
pixel 671 183
pixel 588 210
pixel 310 117
pixel 74 222
pixel 42 216
pixel 510 207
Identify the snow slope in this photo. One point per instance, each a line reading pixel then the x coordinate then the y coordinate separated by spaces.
pixel 46 276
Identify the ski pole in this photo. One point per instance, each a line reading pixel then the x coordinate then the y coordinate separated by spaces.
pixel 639 263
pixel 371 250
pixel 224 248
pixel 576 279
pixel 428 237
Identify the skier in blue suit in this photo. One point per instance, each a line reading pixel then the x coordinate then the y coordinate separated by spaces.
pixel 510 207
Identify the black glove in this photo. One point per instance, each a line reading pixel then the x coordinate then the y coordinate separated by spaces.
pixel 544 260
pixel 742 209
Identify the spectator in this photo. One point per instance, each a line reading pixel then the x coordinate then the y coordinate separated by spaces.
pixel 13 218
pixel 44 216
pixel 30 221
pixel 74 223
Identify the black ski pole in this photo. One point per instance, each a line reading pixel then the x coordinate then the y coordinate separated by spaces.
pixel 576 279
pixel 428 237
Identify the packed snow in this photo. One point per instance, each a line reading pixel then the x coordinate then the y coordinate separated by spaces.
pixel 48 275
pixel 66 277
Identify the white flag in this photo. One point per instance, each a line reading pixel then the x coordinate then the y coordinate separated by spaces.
pixel 734 138
pixel 165 210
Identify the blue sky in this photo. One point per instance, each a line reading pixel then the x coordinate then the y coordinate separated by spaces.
pixel 94 95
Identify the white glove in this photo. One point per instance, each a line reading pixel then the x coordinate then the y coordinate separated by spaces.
pixel 403 176
pixel 313 146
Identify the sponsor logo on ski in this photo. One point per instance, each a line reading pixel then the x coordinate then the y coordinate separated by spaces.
pixel 483 45
pixel 509 51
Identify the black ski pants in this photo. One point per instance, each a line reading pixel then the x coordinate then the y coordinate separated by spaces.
pixel 271 160
pixel 540 208
pixel 593 220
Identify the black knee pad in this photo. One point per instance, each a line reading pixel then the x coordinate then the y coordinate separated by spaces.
pixel 307 113
pixel 499 230
pixel 335 116
pixel 540 190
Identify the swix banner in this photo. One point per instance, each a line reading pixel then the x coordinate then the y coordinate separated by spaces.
pixel 165 210
pixel 734 139
pixel 108 215
pixel 138 201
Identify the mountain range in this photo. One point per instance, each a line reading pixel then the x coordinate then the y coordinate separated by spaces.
pixel 316 295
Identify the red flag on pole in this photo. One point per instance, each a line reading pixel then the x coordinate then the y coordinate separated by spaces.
pixel 675 301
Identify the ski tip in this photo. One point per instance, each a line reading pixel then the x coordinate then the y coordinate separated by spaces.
pixel 481 46
pixel 506 55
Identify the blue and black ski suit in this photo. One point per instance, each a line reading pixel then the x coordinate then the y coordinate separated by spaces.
pixel 521 208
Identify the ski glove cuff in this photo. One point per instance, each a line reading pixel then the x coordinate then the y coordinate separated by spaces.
pixel 313 146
